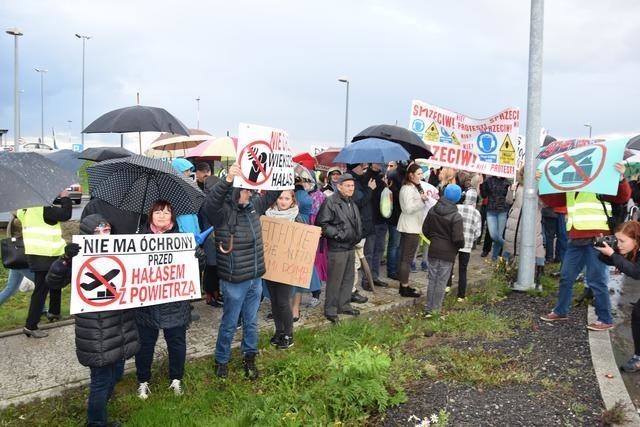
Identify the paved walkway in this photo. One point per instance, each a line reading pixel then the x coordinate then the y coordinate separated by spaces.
pixel 46 367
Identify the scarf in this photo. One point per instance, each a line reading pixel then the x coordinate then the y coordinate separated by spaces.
pixel 288 214
pixel 155 230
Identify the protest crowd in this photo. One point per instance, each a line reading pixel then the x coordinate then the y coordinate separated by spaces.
pixel 401 215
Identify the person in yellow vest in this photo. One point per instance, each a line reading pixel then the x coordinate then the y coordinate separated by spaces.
pixel 43 244
pixel 586 220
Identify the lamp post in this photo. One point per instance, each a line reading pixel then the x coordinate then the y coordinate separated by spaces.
pixel 16 97
pixel 589 126
pixel 198 122
pixel 346 111
pixel 69 130
pixel 84 39
pixel 41 71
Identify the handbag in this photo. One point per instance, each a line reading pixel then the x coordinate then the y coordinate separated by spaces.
pixel 12 252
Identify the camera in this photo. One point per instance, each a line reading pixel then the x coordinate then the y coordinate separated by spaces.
pixel 610 240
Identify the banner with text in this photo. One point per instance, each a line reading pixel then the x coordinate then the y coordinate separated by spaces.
pixel 264 157
pixel 587 167
pixel 133 270
pixel 478 145
pixel 289 250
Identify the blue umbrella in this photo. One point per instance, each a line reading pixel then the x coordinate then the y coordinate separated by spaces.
pixel 372 150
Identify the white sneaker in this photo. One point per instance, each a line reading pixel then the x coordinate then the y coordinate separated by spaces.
pixel 177 387
pixel 143 391
pixel 314 302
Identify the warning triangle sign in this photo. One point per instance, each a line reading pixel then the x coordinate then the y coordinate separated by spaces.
pixel 454 139
pixel 432 134
pixel 507 151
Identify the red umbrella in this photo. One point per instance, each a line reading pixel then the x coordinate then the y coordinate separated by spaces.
pixel 306 160
pixel 326 157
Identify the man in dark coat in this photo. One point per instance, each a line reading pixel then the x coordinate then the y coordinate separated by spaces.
pixel 340 221
pixel 235 215
pixel 374 245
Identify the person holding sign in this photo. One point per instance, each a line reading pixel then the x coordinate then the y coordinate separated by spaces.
pixel 587 218
pixel 285 208
pixel 339 219
pixel 104 339
pixel 172 317
pixel 235 214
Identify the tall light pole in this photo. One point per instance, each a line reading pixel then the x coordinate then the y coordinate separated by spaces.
pixel 69 130
pixel 16 97
pixel 41 71
pixel 84 39
pixel 198 123
pixel 589 126
pixel 346 111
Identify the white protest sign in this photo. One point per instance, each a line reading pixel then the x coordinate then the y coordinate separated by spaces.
pixel 114 272
pixel 477 145
pixel 264 157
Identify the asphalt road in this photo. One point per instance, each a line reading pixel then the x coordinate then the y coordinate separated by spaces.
pixel 77 211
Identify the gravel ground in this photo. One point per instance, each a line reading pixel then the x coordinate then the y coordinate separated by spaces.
pixel 560 355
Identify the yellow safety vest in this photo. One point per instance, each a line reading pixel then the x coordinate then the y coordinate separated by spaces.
pixel 39 237
pixel 585 212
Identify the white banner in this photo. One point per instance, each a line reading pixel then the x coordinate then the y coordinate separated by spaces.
pixel 478 145
pixel 121 271
pixel 264 157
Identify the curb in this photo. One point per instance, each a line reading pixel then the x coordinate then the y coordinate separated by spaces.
pixel 612 387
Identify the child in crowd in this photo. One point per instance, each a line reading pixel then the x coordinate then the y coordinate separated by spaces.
pixel 471 228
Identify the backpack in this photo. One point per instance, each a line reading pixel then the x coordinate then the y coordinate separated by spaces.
pixel 386 203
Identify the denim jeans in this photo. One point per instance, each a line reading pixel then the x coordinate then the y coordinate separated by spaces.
pixel 13 282
pixel 374 248
pixel 393 251
pixel 176 339
pixel 496 221
pixel 597 276
pixel 103 380
pixel 561 236
pixel 240 300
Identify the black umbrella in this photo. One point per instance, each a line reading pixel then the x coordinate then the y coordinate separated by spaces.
pixel 66 159
pixel 410 141
pixel 30 179
pixel 138 118
pixel 134 183
pixel 634 143
pixel 98 154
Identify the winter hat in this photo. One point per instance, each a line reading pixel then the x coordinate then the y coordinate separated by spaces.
pixel 90 222
pixel 452 193
pixel 345 177
pixel 182 165
pixel 334 169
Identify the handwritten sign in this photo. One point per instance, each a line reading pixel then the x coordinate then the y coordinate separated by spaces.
pixel 584 168
pixel 133 270
pixel 265 158
pixel 289 250
pixel 478 145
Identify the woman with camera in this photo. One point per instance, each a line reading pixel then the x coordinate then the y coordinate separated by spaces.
pixel 621 251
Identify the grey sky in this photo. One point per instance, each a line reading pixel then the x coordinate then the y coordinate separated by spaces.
pixel 276 63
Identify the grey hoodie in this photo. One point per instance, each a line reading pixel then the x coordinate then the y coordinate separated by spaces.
pixel 471 220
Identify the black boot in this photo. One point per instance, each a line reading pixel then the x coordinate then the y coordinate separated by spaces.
pixel 249 365
pixel 538 275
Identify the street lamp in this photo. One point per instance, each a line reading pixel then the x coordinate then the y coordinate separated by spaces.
pixel 41 71
pixel 16 98
pixel 84 39
pixel 198 123
pixel 589 126
pixel 346 111
pixel 69 130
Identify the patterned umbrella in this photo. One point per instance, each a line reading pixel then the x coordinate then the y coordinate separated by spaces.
pixel 134 183
pixel 215 149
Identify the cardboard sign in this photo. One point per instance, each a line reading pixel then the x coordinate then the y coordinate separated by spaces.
pixel 585 168
pixel 264 157
pixel 461 142
pixel 289 250
pixel 114 272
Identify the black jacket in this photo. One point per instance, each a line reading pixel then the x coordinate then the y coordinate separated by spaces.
pixel 626 266
pixel 106 337
pixel 340 221
pixel 167 315
pixel 362 198
pixel 375 198
pixel 495 188
pixel 122 222
pixel 443 227
pixel 246 260
pixel 395 179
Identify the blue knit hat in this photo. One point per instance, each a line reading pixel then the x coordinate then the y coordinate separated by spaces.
pixel 182 165
pixel 452 193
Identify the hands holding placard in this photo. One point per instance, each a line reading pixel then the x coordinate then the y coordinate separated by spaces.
pixel 234 171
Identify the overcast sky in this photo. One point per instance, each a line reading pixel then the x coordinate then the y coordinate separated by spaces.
pixel 276 63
